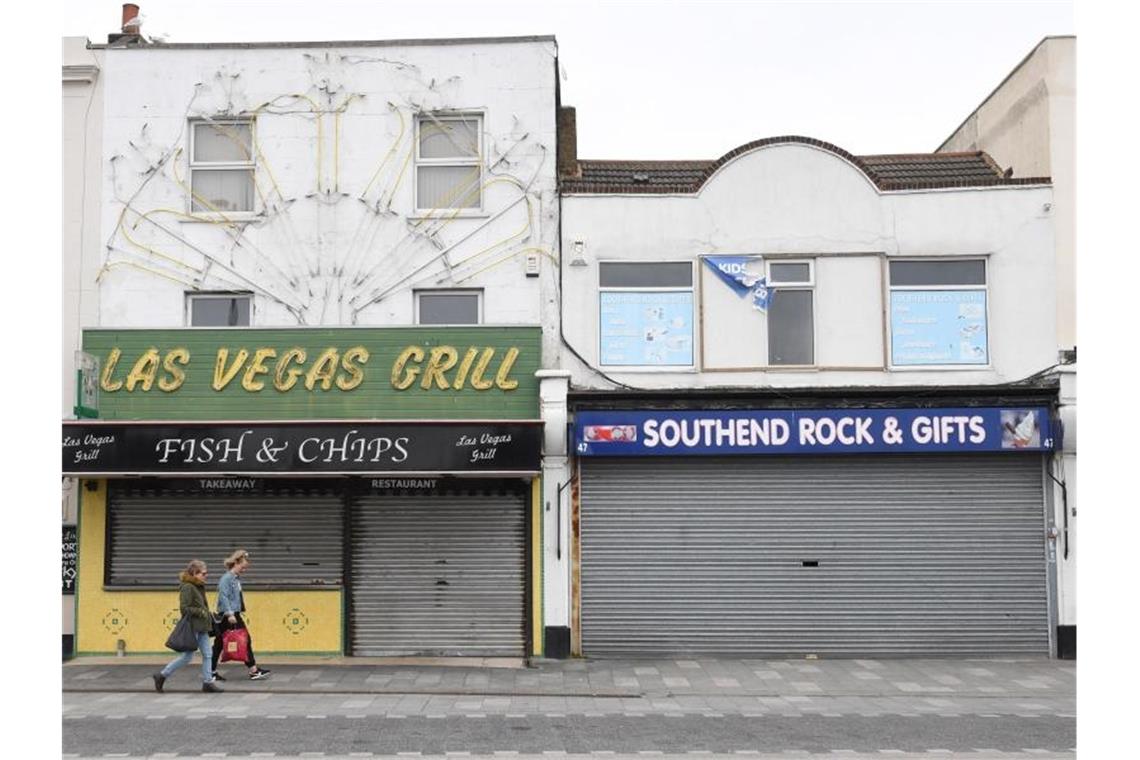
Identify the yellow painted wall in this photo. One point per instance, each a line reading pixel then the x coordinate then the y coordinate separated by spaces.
pixel 290 622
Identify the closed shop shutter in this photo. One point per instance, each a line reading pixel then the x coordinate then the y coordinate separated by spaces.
pixel 439 574
pixel 294 535
pixel 846 555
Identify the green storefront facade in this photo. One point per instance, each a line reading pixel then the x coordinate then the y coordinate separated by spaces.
pixel 385 481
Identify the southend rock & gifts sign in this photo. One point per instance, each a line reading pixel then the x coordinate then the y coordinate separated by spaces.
pixel 815 431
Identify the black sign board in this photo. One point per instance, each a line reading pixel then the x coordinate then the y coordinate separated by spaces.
pixel 70 558
pixel 183 448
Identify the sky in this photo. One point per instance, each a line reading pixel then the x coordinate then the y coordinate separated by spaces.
pixel 685 80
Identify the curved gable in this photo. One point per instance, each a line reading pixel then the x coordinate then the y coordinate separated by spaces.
pixel 766 142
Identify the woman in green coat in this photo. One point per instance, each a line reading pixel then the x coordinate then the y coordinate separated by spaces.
pixel 192 603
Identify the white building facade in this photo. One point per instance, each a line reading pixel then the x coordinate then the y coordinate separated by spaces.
pixel 809 411
pixel 341 251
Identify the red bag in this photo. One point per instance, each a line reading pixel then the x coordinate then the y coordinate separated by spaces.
pixel 235 645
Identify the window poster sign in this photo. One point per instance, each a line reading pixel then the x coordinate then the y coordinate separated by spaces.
pixel 938 327
pixel 815 431
pixel 646 328
pixel 70 558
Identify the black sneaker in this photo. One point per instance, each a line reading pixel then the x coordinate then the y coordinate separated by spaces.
pixel 159 680
pixel 259 674
pixel 218 676
pixel 211 686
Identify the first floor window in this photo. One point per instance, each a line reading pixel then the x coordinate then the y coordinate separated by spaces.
pixel 449 307
pixel 645 314
pixel 449 161
pixel 939 313
pixel 221 166
pixel 219 309
pixel 791 313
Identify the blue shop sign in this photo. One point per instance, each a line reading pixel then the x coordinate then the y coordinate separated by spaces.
pixel 814 431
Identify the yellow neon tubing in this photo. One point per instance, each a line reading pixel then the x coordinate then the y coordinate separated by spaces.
pixel 123 229
pixel 112 264
pixel 400 176
pixel 503 259
pixel 336 140
pixel 391 150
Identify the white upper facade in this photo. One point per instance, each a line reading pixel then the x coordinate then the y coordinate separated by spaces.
pixel 1028 123
pixel 868 287
pixel 332 184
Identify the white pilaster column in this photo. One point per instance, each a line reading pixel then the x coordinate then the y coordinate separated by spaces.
pixel 1067 566
pixel 553 387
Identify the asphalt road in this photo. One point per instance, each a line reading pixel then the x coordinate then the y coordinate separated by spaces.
pixel 340 735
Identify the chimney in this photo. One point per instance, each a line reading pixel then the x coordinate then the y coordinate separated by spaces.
pixel 130 26
pixel 130 18
pixel 568 143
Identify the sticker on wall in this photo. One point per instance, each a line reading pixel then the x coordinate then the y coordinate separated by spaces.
pixel 295 621
pixel 115 621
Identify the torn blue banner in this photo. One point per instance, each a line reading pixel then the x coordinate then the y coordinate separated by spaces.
pixel 735 271
pixel 761 295
pixel 740 274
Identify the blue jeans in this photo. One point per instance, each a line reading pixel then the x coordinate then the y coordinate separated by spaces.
pixel 185 657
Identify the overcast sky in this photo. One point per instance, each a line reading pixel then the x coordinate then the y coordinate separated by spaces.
pixel 686 79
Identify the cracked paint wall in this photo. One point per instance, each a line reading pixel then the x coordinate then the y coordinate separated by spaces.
pixel 334 238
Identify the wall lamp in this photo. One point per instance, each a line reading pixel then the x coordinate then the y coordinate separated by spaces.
pixel 578 259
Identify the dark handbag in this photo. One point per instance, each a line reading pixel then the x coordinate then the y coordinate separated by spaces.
pixel 182 638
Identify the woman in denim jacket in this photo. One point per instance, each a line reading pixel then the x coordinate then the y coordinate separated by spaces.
pixel 230 606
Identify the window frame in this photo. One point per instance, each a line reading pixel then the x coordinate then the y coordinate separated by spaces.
pixel 477 292
pixel 809 285
pixel 891 288
pixel 453 161
pixel 204 295
pixel 249 166
pixel 692 290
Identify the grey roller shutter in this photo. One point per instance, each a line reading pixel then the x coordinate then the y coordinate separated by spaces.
pixel 293 537
pixel 438 574
pixel 917 555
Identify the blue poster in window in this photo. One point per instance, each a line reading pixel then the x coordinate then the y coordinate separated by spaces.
pixel 646 328
pixel 938 327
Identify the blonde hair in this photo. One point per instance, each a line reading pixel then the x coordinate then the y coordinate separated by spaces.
pixel 195 566
pixel 237 556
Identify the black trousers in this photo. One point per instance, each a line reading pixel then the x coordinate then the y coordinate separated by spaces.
pixel 225 626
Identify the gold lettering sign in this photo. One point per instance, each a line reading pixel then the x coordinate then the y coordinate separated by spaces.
pixel 438 368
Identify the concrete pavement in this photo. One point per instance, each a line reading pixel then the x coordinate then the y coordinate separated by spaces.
pixel 345 707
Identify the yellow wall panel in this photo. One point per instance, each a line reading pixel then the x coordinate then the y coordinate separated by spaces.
pixel 292 622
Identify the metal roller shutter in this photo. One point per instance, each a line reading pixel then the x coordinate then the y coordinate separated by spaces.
pixel 294 537
pixel 916 556
pixel 440 574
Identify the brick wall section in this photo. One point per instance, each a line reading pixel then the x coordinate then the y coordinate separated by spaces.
pixel 568 143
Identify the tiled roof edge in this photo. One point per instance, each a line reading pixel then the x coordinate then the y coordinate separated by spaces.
pixel 576 185
pixel 594 188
